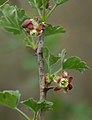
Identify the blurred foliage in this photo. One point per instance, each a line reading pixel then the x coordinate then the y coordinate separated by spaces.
pixel 53 42
pixel 64 110
pixel 48 42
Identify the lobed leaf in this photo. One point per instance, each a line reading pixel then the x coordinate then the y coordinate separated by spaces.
pixel 58 2
pixel 48 105
pixel 9 98
pixel 75 63
pixel 49 57
pixel 51 30
pixel 35 3
pixel 37 106
pixel 12 18
pixel 2 2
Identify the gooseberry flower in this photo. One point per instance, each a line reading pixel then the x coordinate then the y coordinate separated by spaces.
pixel 64 82
pixel 33 26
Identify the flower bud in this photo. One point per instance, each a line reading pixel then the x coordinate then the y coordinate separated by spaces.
pixel 30 26
pixel 39 27
pixel 26 23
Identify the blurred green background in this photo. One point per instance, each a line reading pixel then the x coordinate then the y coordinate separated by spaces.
pixel 18 65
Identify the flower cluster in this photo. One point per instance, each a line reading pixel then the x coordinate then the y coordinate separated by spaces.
pixel 33 26
pixel 64 82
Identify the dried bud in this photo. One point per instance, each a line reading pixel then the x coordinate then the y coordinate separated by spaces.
pixel 48 6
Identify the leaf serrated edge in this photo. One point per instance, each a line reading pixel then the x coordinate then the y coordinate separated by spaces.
pixel 81 61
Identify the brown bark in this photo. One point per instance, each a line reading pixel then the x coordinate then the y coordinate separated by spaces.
pixel 41 73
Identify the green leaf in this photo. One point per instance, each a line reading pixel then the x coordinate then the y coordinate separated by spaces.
pixel 37 106
pixel 2 2
pixel 49 57
pixel 53 59
pixel 75 63
pixel 48 105
pixel 51 30
pixel 35 3
pixel 9 98
pixel 12 18
pixel 62 55
pixel 30 43
pixel 58 2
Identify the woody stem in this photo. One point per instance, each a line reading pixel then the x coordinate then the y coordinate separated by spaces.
pixel 41 73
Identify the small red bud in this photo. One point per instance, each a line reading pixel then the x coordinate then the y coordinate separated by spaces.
pixel 39 28
pixel 26 23
pixel 30 26
pixel 48 6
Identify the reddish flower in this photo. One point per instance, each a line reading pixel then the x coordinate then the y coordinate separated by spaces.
pixel 33 26
pixel 64 82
